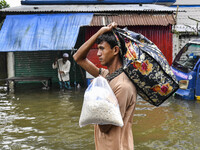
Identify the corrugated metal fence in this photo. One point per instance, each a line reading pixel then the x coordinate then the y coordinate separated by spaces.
pixel 160 35
pixel 40 64
pixel 35 64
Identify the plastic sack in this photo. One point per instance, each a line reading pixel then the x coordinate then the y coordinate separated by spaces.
pixel 147 68
pixel 100 105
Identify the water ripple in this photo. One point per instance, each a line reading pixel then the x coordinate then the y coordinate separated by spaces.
pixel 48 120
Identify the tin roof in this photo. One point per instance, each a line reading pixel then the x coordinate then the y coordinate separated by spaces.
pixel 133 19
pixel 42 2
pixel 187 2
pixel 86 8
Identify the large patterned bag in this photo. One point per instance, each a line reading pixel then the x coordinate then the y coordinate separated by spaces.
pixel 147 68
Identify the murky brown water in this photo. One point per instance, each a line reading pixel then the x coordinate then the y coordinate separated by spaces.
pixel 48 120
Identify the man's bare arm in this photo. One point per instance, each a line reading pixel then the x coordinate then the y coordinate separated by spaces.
pixel 81 55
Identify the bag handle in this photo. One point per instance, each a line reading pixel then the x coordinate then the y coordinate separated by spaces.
pixel 124 33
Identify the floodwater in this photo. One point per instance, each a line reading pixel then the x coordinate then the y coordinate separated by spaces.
pixel 38 119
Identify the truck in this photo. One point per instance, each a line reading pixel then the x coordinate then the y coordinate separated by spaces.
pixel 186 68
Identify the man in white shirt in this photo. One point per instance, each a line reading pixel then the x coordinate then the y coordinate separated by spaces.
pixel 63 65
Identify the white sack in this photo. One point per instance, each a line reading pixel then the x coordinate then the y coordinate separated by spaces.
pixel 100 105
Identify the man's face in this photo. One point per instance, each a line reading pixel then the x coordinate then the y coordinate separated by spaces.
pixel 65 59
pixel 105 53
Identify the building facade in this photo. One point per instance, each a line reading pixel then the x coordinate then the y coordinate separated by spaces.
pixel 186 28
pixel 27 58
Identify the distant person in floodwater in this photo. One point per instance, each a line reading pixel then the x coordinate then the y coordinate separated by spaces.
pixel 63 66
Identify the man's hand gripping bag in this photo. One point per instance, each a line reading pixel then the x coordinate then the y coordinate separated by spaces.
pixel 147 68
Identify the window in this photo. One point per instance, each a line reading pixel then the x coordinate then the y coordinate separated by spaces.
pixel 187 57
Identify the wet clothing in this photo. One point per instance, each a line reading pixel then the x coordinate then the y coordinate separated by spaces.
pixel 118 138
pixel 65 84
pixel 62 67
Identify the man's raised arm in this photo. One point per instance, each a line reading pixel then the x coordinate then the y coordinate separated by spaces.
pixel 81 55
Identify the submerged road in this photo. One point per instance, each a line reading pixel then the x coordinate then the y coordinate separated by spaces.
pixel 33 118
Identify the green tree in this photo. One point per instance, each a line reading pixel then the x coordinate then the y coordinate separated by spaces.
pixel 3 4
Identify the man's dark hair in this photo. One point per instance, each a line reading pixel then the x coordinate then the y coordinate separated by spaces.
pixel 110 38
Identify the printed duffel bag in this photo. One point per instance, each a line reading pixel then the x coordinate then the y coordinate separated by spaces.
pixel 147 68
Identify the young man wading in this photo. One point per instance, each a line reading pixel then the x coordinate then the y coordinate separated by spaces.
pixel 110 137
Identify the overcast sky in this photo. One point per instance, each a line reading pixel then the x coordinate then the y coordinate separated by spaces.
pixel 14 3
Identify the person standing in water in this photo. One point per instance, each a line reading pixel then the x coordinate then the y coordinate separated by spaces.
pixel 110 51
pixel 63 66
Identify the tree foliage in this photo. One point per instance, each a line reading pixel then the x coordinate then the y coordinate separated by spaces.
pixel 3 4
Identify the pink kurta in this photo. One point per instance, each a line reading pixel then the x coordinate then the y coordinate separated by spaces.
pixel 119 138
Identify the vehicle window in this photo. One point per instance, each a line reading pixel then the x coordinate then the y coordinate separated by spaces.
pixel 187 57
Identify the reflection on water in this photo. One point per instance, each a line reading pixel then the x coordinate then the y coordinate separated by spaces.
pixel 174 125
pixel 41 119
